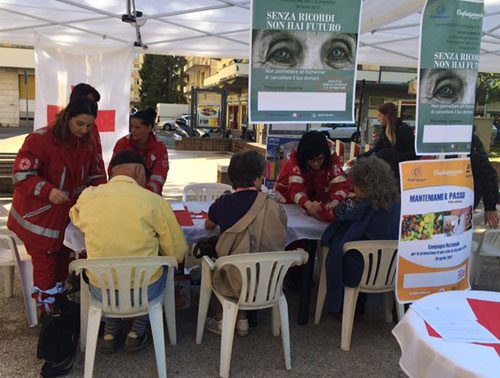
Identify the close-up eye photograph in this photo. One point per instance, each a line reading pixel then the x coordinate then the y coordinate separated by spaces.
pixel 445 86
pixel 303 50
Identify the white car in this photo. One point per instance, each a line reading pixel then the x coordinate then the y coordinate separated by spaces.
pixel 166 124
pixel 185 119
pixel 347 132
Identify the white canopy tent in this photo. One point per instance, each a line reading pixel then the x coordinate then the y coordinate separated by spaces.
pixel 216 28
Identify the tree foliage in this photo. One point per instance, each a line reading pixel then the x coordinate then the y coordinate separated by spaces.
pixel 163 80
pixel 487 84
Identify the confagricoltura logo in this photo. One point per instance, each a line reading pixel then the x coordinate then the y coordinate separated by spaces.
pixel 440 12
pixel 468 14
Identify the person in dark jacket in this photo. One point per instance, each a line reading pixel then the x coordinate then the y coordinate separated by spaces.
pixel 485 182
pixel 372 215
pixel 396 134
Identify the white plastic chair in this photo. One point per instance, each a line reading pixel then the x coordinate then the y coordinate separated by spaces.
pixel 488 245
pixel 126 270
pixel 10 257
pixel 378 277
pixel 472 260
pixel 207 192
pixel 262 276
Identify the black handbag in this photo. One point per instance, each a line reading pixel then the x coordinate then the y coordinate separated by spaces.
pixel 58 338
pixel 206 247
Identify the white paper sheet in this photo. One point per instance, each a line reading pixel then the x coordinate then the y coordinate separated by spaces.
pixel 455 324
pixel 177 206
pixel 198 206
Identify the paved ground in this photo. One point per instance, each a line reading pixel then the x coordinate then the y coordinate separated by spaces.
pixel 185 166
pixel 315 348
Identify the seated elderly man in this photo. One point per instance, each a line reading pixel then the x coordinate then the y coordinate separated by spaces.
pixel 123 219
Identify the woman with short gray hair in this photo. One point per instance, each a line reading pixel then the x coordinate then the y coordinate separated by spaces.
pixel 373 214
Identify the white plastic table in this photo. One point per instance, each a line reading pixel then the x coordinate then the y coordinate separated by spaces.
pixel 423 355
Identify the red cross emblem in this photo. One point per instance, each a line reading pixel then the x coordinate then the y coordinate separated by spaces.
pixel 24 164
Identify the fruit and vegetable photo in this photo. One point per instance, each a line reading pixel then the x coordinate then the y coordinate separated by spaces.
pixel 417 227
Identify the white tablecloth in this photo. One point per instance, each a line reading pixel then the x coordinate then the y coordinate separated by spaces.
pixel 426 356
pixel 300 226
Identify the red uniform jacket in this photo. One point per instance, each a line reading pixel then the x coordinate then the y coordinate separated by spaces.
pixel 42 164
pixel 328 186
pixel 155 156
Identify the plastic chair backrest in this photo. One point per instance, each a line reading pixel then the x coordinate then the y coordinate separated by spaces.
pixel 472 259
pixel 262 275
pixel 478 218
pixel 205 192
pixel 491 242
pixel 12 246
pixel 380 264
pixel 136 270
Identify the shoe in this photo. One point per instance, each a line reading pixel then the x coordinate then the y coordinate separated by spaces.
pixel 112 345
pixel 215 326
pixel 242 327
pixel 134 343
pixel 57 369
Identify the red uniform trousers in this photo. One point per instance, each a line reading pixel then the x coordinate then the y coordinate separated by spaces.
pixel 49 267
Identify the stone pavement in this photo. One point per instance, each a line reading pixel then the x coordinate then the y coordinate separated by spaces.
pixel 315 348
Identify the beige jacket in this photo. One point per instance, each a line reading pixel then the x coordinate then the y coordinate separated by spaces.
pixel 261 229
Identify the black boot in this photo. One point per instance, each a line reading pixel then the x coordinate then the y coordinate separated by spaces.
pixel 57 369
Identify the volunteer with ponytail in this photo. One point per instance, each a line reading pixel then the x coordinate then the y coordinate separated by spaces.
pixel 142 139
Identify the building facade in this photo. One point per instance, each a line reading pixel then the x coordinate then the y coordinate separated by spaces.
pixel 230 75
pixel 17 85
pixel 135 85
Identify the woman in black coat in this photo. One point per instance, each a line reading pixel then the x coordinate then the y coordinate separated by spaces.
pixel 396 134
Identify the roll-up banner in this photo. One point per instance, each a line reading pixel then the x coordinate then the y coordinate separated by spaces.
pixel 303 60
pixel 435 234
pixel 448 63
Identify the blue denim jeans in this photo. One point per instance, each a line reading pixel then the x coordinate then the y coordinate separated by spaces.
pixel 154 291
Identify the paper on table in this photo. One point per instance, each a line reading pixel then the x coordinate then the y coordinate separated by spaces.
pixel 455 324
pixel 198 206
pixel 177 206
pixel 457 313
pixel 464 331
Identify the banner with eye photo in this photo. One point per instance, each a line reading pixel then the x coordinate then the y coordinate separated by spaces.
pixel 303 61
pixel 450 39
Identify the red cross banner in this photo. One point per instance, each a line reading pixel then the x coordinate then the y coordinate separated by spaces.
pixel 59 67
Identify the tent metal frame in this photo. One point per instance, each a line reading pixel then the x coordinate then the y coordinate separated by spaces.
pixel 398 18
